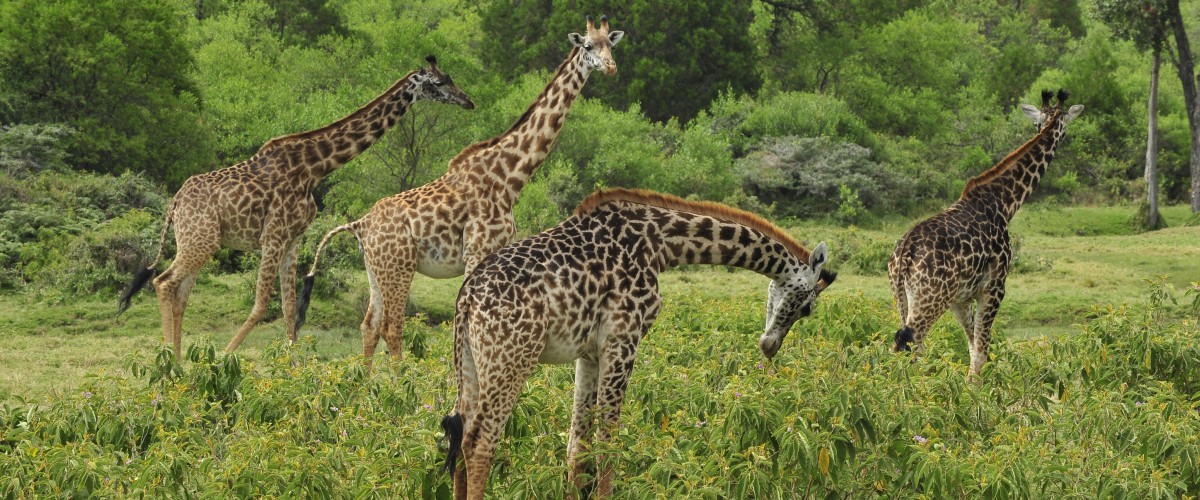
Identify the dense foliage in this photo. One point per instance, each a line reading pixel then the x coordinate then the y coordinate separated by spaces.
pixel 1105 412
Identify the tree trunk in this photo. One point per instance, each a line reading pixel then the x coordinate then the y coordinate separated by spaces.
pixel 1152 145
pixel 1185 66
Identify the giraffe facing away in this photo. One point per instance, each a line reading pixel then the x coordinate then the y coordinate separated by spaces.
pixel 959 259
pixel 265 203
pixel 445 227
pixel 587 291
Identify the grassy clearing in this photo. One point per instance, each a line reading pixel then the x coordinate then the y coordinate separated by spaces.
pixel 1060 280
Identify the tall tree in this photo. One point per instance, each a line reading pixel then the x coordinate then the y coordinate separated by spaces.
pixel 117 72
pixel 1145 23
pixel 1186 68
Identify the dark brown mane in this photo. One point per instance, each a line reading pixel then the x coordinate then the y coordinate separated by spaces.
pixel 304 135
pixel 708 208
pixel 1003 165
pixel 481 145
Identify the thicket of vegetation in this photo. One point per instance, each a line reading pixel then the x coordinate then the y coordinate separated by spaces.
pixel 839 109
pixel 1106 412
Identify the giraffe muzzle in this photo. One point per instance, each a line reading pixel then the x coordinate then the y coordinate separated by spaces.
pixel 770 346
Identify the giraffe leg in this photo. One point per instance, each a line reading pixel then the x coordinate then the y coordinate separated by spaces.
pixel 371 321
pixel 965 314
pixel 287 288
pixel 616 365
pixel 468 393
pixel 174 285
pixel 181 299
pixel 500 382
pixel 395 297
pixel 989 305
pixel 587 376
pixel 267 272
pixel 391 268
pixel 924 309
pixel 896 278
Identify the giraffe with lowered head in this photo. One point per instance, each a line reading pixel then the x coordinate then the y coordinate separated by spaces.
pixel 265 203
pixel 445 227
pixel 587 291
pixel 959 259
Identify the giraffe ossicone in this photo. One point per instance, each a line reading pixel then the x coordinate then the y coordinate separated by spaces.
pixel 587 291
pixel 443 228
pixel 265 203
pixel 959 259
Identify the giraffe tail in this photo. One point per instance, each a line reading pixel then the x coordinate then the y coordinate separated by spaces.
pixel 144 275
pixel 453 425
pixel 904 339
pixel 305 296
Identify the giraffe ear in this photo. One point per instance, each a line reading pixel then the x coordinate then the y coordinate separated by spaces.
pixel 1073 113
pixel 1032 112
pixel 817 257
pixel 615 37
pixel 576 39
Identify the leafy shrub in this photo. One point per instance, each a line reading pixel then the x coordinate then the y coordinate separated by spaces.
pixel 835 413
pixel 26 149
pixel 803 176
pixel 76 233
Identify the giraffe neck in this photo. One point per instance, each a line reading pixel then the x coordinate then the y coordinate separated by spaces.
pixel 317 153
pixel 1006 186
pixel 512 158
pixel 687 238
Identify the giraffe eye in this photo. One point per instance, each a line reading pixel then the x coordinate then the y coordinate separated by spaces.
pixel 587 46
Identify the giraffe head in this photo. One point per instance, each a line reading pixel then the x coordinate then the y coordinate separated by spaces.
pixel 792 295
pixel 596 46
pixel 1042 115
pixel 433 84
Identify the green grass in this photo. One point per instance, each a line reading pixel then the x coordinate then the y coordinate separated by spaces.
pixel 1060 280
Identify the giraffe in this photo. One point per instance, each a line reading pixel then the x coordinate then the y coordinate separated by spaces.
pixel 265 203
pixel 445 227
pixel 958 259
pixel 587 291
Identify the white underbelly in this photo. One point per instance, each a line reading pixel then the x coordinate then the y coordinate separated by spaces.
pixel 441 269
pixel 557 354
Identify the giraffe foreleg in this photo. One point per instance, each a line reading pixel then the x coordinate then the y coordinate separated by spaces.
pixel 616 365
pixel 268 270
pixel 583 417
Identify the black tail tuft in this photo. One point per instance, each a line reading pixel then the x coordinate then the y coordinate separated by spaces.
pixel 139 281
pixel 453 425
pixel 302 301
pixel 904 340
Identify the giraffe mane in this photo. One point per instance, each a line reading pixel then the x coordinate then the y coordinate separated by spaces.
pixel 278 141
pixel 708 208
pixel 1003 165
pixel 488 143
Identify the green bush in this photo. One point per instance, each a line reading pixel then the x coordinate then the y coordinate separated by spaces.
pixel 804 176
pixel 834 414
